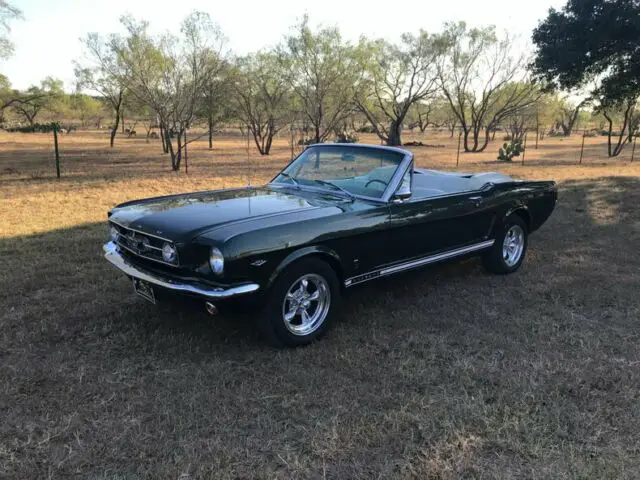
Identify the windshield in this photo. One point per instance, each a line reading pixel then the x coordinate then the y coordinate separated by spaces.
pixel 343 169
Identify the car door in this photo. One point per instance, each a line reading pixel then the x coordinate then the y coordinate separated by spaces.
pixel 426 226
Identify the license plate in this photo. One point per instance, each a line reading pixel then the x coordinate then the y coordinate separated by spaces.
pixel 143 289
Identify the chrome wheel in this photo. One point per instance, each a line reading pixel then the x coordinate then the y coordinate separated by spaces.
pixel 513 245
pixel 306 304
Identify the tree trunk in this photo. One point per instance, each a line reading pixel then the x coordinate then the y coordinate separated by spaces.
pixel 395 133
pixel 487 136
pixel 114 130
pixel 163 136
pixel 122 119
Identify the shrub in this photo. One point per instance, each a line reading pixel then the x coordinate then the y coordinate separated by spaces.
pixel 506 138
pixel 509 151
pixel 36 128
pixel 346 138
pixel 366 129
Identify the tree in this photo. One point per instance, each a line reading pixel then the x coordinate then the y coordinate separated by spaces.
pixel 37 99
pixel 168 73
pixel 106 74
pixel 86 108
pixel 594 42
pixel 8 13
pixel 213 106
pixel 263 94
pixel 482 81
pixel 395 78
pixel 323 73
pixel 567 115
pixel 591 40
pixel 617 114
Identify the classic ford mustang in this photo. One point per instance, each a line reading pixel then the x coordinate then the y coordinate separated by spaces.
pixel 338 215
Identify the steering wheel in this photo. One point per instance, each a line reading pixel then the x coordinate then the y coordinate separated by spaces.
pixel 377 180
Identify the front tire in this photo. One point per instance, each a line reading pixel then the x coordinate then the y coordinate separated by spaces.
pixel 507 253
pixel 301 304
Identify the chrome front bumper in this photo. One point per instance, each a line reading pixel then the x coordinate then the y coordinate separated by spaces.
pixel 114 257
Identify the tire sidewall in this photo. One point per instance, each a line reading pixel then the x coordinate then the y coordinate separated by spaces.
pixel 496 260
pixel 271 322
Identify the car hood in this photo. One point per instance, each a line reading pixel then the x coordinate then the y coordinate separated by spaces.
pixel 180 218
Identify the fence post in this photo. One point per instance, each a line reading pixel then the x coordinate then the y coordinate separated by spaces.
pixel 55 145
pixel 292 140
pixel 524 147
pixel 633 150
pixel 458 154
pixel 537 136
pixel 582 147
pixel 248 159
pixel 186 158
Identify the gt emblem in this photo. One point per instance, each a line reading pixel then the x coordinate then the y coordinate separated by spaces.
pixel 258 263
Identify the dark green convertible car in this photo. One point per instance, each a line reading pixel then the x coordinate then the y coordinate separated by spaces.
pixel 337 216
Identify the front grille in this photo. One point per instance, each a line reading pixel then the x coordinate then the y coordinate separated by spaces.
pixel 142 245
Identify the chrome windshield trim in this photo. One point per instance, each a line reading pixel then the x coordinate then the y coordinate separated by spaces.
pixel 419 262
pixel 113 256
pixel 395 181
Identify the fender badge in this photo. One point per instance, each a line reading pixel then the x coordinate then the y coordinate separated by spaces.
pixel 258 263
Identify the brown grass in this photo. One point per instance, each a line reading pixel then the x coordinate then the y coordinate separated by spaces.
pixel 443 373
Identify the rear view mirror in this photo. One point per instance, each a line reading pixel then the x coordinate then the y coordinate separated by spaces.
pixel 348 157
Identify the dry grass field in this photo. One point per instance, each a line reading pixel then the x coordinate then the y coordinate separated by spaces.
pixel 442 373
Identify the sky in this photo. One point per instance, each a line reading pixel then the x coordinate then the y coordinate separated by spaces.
pixel 48 39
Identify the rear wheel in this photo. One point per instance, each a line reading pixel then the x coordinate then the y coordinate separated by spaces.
pixel 507 253
pixel 301 304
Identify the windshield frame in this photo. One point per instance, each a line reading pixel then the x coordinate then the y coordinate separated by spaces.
pixel 394 183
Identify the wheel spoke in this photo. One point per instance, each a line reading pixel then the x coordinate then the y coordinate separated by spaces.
pixel 290 314
pixel 305 317
pixel 314 296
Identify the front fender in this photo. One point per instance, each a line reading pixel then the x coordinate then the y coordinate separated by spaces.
pixel 327 254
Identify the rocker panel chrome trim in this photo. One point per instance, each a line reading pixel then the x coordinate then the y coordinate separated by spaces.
pixel 382 272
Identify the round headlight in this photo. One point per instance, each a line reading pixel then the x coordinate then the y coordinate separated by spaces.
pixel 169 253
pixel 216 260
pixel 114 233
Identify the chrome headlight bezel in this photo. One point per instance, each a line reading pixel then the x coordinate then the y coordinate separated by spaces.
pixel 169 253
pixel 216 261
pixel 114 234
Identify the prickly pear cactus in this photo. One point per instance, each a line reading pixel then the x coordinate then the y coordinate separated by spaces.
pixel 510 150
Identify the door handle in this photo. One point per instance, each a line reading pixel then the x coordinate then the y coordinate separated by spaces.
pixel 476 200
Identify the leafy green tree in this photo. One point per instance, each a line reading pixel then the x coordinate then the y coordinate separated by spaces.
pixel 102 71
pixel 169 73
pixel 591 40
pixel 35 99
pixel 594 44
pixel 86 108
pixel 395 78
pixel 323 72
pixel 214 105
pixel 482 80
pixel 263 96
pixel 619 118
